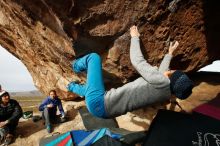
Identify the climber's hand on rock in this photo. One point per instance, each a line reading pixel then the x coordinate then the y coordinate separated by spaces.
pixel 134 31
pixel 173 46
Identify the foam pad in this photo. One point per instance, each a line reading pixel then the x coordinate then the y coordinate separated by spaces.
pixel 91 122
pixel 178 129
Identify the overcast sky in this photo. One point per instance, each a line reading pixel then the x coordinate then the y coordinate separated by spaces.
pixel 214 67
pixel 15 77
pixel 13 74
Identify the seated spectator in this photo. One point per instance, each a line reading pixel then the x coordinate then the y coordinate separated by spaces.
pixel 10 113
pixel 49 110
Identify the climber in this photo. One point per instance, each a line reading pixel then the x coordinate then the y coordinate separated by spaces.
pixel 10 113
pixel 154 85
pixel 49 109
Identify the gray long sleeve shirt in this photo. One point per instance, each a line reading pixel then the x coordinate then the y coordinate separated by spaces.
pixel 151 87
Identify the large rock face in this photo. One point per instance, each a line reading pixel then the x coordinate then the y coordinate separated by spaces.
pixel 37 33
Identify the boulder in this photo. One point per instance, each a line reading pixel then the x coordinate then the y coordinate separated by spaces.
pixel 39 33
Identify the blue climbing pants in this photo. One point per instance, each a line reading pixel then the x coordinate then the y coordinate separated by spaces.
pixel 93 89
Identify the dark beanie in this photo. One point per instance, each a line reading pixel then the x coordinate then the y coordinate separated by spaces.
pixel 180 84
pixel 2 93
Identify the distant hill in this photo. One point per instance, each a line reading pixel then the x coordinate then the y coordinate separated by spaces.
pixel 26 94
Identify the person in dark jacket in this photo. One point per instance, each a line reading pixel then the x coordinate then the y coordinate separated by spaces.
pixel 49 109
pixel 10 113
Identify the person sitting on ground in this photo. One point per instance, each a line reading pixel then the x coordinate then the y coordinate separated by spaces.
pixel 49 110
pixel 154 85
pixel 10 113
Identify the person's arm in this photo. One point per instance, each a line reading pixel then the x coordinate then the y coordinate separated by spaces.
pixel 164 66
pixel 149 73
pixel 17 112
pixel 60 107
pixel 43 104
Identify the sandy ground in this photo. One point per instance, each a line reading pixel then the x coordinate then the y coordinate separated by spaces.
pixel 29 133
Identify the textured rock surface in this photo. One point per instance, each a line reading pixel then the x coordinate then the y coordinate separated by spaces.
pixel 33 31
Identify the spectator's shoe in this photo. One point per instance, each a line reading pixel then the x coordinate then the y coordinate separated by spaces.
pixel 49 130
pixel 63 119
pixel 8 140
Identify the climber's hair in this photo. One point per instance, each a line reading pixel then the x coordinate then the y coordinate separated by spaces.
pixel 53 92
